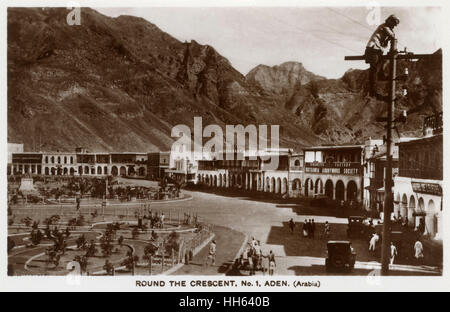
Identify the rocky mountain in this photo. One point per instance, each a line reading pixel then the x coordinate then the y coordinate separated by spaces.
pixel 121 84
pixel 281 79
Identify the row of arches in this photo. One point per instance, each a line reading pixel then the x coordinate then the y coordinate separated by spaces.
pixel 416 209
pixel 253 182
pixel 99 170
pixel 338 190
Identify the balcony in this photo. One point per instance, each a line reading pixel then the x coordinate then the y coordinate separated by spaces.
pixel 434 122
pixel 419 173
pixel 338 168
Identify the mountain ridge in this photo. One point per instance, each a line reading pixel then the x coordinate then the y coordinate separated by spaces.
pixel 121 84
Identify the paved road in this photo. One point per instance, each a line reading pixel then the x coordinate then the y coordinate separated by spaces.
pixel 266 221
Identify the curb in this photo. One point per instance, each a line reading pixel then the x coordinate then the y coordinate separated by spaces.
pixel 195 252
pixel 238 254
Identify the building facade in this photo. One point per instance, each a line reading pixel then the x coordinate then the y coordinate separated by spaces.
pixel 80 163
pixel 334 171
pixel 418 186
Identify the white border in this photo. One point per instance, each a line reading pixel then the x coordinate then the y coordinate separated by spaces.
pixel 119 283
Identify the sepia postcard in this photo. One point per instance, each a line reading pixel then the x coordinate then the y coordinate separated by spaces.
pixel 223 146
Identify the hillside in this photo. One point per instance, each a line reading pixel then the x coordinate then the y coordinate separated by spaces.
pixel 121 84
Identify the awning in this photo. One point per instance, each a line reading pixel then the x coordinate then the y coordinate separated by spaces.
pixel 381 190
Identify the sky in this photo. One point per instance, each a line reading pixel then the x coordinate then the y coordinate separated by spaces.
pixel 317 37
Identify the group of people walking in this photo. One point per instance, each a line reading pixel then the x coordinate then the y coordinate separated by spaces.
pixel 309 228
pixel 255 259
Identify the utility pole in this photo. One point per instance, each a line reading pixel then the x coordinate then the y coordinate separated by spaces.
pixel 392 56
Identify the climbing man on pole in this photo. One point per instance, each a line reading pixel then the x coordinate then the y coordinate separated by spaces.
pixel 377 44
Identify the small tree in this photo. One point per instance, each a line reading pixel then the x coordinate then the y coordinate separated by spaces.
pixel 91 250
pixel 173 242
pixel 135 233
pixel 82 260
pixel 149 253
pixel 36 237
pixel 106 245
pixel 81 242
pixel 109 268
pixel 120 240
pixel 48 233
pixel 130 261
pixel 35 225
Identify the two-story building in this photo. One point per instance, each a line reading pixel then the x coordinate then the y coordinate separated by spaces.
pixel 334 171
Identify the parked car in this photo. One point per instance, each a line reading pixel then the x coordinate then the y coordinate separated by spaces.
pixel 340 256
pixel 357 228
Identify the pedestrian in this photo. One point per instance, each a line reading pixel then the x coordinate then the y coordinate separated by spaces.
pixel 378 42
pixel 313 228
pixel 326 230
pixel 292 225
pixel 305 229
pixel 393 252
pixel 272 263
pixel 212 253
pixel 373 242
pixel 418 250
pixel 264 263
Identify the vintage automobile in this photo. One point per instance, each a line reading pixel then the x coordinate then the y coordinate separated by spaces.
pixel 357 228
pixel 340 256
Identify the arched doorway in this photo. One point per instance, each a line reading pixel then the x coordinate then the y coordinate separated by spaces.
pixel 215 181
pixel 397 206
pixel 352 190
pixel 220 180
pixel 47 171
pixel 308 182
pixel 105 170
pixel 72 171
pixel 123 171
pixel 66 171
pixel 318 189
pixel 420 210
pixel 411 208
pixel 53 171
pixel 431 219
pixel 86 169
pixel 99 170
pixel 114 171
pixel 404 207
pixel 268 184
pixel 272 185
pixel 141 171
pixel 329 189
pixel 340 190
pixel 278 186
pixel 284 187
